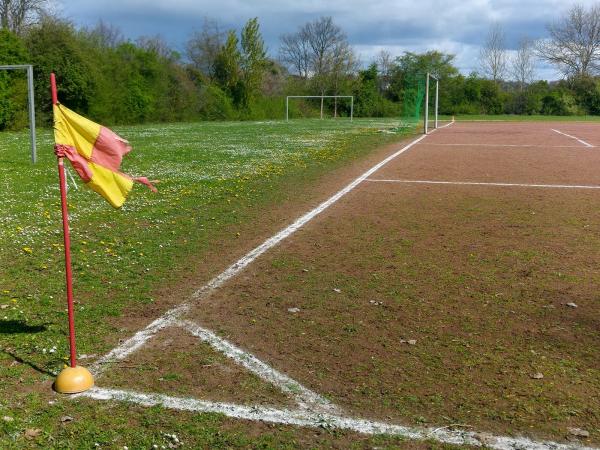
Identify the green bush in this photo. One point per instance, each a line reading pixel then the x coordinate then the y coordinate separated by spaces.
pixel 13 84
pixel 215 104
pixel 559 103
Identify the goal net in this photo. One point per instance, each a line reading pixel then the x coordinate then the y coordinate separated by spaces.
pixel 412 95
pixel 420 99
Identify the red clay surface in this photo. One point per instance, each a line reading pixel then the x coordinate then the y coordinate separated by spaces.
pixel 481 277
pixel 487 153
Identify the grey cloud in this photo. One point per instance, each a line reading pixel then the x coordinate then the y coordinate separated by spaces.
pixel 457 26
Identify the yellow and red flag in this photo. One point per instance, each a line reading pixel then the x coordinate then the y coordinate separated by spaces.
pixel 95 152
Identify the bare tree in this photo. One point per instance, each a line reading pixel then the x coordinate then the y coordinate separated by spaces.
pixel 17 15
pixel 523 63
pixel 319 50
pixel 331 55
pixel 574 42
pixel 205 45
pixel 157 45
pixel 294 52
pixel 312 50
pixel 324 39
pixel 492 57
pixel 385 63
pixel 343 63
pixel 106 35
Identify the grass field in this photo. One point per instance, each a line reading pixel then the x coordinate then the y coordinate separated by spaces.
pixel 217 180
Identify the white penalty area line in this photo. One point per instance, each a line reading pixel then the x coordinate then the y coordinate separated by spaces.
pixel 304 397
pixel 137 340
pixel 476 183
pixel 305 418
pixel 587 144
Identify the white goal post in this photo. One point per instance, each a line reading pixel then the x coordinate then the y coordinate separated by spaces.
pixel 437 97
pixel 29 69
pixel 287 103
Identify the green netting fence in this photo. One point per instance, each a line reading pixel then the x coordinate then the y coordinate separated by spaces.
pixel 413 94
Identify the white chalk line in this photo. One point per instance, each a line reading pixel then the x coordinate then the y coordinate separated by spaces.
pixel 311 419
pixel 573 137
pixel 443 126
pixel 476 183
pixel 526 123
pixel 305 398
pixel 136 341
pixel 501 145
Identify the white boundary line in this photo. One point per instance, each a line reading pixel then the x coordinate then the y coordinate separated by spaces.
pixel 526 122
pixel 475 183
pixel 504 145
pixel 444 126
pixel 573 137
pixel 318 420
pixel 305 398
pixel 137 340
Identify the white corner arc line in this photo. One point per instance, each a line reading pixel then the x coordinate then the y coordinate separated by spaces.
pixel 305 398
pixel 573 137
pixel 476 183
pixel 136 341
pixel 323 420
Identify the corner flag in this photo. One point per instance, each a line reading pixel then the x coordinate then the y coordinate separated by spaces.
pixel 95 152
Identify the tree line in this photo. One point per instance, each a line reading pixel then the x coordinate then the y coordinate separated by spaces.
pixel 226 74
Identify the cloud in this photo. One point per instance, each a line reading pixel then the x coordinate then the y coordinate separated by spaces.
pixel 457 27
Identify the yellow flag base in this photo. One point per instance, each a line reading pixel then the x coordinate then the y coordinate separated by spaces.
pixel 72 380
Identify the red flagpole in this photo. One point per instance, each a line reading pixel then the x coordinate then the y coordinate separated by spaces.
pixel 67 238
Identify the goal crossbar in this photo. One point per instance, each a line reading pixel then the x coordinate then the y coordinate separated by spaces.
pixel 287 103
pixel 29 69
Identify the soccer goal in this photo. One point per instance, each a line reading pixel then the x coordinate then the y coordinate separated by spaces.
pixel 29 69
pixel 322 97
pixel 428 78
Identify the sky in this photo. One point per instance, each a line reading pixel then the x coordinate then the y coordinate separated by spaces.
pixel 456 27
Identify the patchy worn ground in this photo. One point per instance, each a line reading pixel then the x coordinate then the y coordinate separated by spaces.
pixel 483 292
pixel 427 304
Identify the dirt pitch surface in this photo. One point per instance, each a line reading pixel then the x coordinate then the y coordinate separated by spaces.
pixel 452 294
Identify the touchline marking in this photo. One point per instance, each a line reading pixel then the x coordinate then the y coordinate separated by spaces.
pixel 443 126
pixel 475 183
pixel 306 418
pixel 573 137
pixel 305 398
pixel 504 145
pixel 138 340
